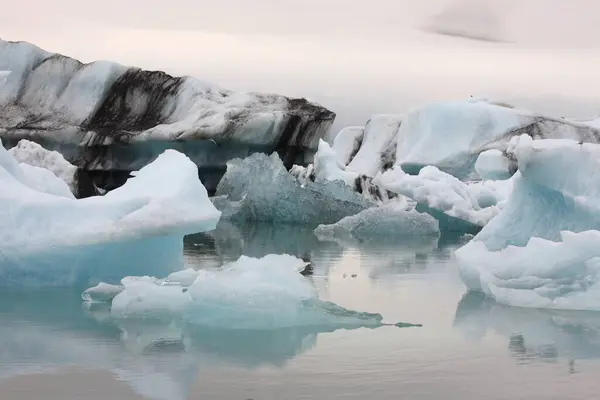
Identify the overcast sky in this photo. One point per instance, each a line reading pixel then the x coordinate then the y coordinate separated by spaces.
pixel 356 57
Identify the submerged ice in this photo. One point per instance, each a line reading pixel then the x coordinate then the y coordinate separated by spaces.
pixel 50 238
pixel 542 249
pixel 250 294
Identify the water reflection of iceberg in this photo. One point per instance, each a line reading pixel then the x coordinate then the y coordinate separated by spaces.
pixel 470 19
pixel 47 331
pixel 231 240
pixel 533 334
pixel 241 348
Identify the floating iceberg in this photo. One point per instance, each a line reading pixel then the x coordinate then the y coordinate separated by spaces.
pixel 451 135
pixel 459 206
pixel 103 116
pixel 542 249
pixel 30 153
pixel 388 222
pixel 250 294
pixel 49 238
pixel 260 188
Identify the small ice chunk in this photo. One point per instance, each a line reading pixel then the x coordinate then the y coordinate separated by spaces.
pixel 30 153
pixel 459 206
pixel 494 165
pixel 102 292
pixel 184 278
pixel 387 222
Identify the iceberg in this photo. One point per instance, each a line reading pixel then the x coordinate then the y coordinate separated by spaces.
pixel 248 294
pixel 542 249
pixel 30 153
pixel 451 135
pixel 260 188
pixel 107 118
pixel 48 238
pixel 458 206
pixel 389 222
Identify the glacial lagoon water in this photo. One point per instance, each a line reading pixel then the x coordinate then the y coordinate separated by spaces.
pixel 54 347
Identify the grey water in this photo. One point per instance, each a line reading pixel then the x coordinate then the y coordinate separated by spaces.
pixel 54 347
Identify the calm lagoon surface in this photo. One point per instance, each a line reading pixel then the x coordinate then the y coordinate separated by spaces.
pixel 54 347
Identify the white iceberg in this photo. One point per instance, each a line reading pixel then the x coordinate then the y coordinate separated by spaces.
pixel 542 250
pixel 451 135
pixel 388 222
pixel 49 238
pixel 459 206
pixel 260 188
pixel 249 294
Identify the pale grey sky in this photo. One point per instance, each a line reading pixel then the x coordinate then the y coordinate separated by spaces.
pixel 355 57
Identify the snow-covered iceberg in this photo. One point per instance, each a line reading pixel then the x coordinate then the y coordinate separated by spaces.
pixel 388 222
pixel 31 153
pixel 260 188
pixel 451 135
pixel 250 294
pixel 542 250
pixel 459 206
pixel 50 238
pixel 104 116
